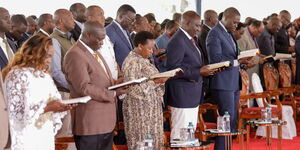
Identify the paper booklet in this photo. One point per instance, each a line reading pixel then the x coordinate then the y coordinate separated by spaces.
pixel 84 99
pixel 278 56
pixel 166 74
pixel 219 65
pixel 248 53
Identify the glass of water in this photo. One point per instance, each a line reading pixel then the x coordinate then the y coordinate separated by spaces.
pixel 183 134
pixel 220 123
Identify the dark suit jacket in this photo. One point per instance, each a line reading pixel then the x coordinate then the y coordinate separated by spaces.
pixel 76 32
pixel 3 58
pixel 266 43
pixel 184 91
pixel 121 45
pixel 282 41
pixel 86 77
pixel 202 42
pixel 221 48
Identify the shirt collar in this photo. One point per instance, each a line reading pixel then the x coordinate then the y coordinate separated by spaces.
pixel 207 26
pixel 79 24
pixel 223 26
pixel 87 47
pixel 43 31
pixel 188 36
pixel 119 25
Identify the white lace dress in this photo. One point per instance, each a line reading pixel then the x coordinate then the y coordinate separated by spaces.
pixel 28 92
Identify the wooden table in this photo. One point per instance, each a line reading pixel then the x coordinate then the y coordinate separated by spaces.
pixel 228 137
pixel 268 126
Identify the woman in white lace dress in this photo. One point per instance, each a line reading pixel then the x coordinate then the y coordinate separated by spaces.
pixel 34 106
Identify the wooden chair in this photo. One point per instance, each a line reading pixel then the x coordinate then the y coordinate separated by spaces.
pixel 202 125
pixel 61 143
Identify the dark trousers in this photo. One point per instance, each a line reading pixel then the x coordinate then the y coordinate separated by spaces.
pixel 227 101
pixel 94 142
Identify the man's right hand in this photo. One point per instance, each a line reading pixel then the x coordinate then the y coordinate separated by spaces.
pixel 205 71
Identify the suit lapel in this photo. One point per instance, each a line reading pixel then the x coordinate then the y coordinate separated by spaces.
pixel 191 45
pixel 121 35
pixel 94 60
pixel 107 69
pixel 225 34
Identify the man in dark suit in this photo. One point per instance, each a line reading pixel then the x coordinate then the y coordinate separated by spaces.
pixel 210 20
pixel 46 24
pixel 183 93
pixel 18 34
pixel 265 41
pixel 225 86
pixel 7 47
pixel 282 42
pixel 78 10
pixel 95 120
pixel 118 32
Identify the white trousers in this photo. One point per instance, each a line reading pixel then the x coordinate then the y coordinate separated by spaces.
pixel 180 119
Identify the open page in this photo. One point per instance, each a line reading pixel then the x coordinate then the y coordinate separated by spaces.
pixel 84 99
pixel 128 83
pixel 219 65
pixel 248 53
pixel 167 74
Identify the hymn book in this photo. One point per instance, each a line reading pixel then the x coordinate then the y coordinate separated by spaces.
pixel 166 74
pixel 278 56
pixel 223 64
pixel 248 53
pixel 84 99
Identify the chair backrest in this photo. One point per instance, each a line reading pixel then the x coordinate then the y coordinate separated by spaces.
pixel 285 74
pixel 245 82
pixel 257 87
pixel 271 76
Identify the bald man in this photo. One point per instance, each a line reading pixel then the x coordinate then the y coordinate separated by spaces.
pixel 46 24
pixel 282 42
pixel 78 10
pixel 95 120
pixel 184 93
pixel 7 46
pixel 225 86
pixel 266 41
pixel 62 42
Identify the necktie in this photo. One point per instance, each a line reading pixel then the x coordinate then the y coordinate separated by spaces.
pixel 194 43
pixel 231 38
pixel 9 51
pixel 96 55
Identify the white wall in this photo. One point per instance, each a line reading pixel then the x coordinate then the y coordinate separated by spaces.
pixel 161 8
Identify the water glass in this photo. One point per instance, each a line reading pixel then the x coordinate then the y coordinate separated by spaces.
pixel 220 123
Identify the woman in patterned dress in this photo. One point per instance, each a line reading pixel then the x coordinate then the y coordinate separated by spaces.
pixel 142 107
pixel 34 106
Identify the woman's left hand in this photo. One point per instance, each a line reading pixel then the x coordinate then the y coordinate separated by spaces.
pixel 160 80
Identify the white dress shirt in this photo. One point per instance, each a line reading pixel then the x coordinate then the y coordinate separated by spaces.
pixel 4 47
pixel 108 53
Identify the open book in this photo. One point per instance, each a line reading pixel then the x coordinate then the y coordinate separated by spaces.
pixel 248 53
pixel 166 74
pixel 278 56
pixel 219 65
pixel 84 99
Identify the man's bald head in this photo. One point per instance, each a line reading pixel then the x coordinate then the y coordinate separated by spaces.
pixel 64 20
pixel 274 25
pixel 190 22
pixel 231 18
pixel 285 17
pixel 46 22
pixel 95 13
pixel 5 22
pixel 210 17
pixel 93 34
pixel 78 10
